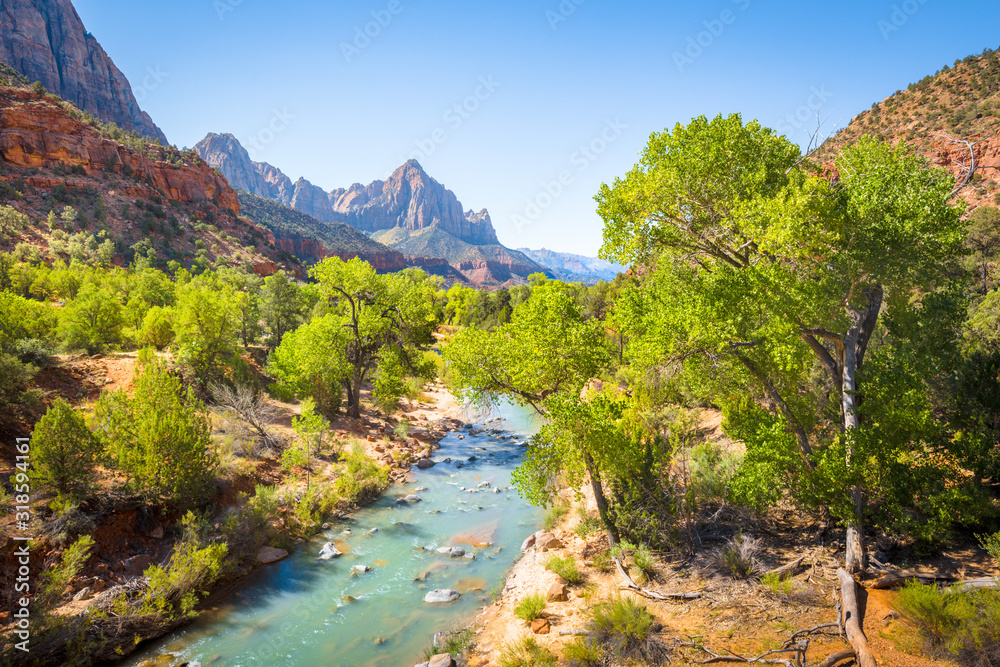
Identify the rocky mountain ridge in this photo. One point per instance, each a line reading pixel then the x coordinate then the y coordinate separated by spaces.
pixel 574 268
pixel 46 41
pixel 951 117
pixel 151 196
pixel 409 198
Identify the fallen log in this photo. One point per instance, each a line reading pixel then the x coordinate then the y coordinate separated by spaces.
pixel 900 577
pixel 974 584
pixel 853 622
pixel 630 585
pixel 839 656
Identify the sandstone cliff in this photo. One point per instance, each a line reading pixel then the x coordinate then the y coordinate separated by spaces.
pixel 36 132
pixel 45 40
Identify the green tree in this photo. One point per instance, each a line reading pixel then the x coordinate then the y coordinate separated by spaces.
pixel 762 271
pixel 309 362
pixel 92 321
pixel 160 437
pixel 64 451
pixel 205 328
pixel 157 328
pixel 983 242
pixel 385 317
pixel 247 302
pixel 281 306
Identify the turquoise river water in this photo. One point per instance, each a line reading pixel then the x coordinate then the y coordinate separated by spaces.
pixel 303 611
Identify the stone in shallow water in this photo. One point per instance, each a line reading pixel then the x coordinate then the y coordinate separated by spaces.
pixel 408 500
pixel 424 464
pixel 329 551
pixel 454 552
pixel 270 555
pixel 441 595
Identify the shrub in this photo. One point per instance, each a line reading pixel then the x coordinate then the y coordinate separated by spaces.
pixel 640 556
pixel 64 451
pixel 965 624
pixel 773 582
pixel 582 652
pixel 53 580
pixel 624 628
pixel 526 652
pixel 33 351
pixel 588 524
pixel 159 437
pixel 555 514
pixel 738 558
pixel 361 479
pixel 530 607
pixel 157 328
pixel 712 471
pixel 991 543
pixel 565 567
pixel 175 589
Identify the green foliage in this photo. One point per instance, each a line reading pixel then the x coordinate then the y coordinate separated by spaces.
pixel 966 624
pixel 160 437
pixel 530 607
pixel 712 472
pixel 565 567
pixel 282 306
pixel 623 627
pixel 582 652
pixel 12 222
pixel 991 543
pixel 775 584
pixel 157 328
pixel 54 580
pixel 16 397
pixel 206 324
pixel 386 319
pixel 526 652
pixel 64 451
pixel 639 555
pixel 174 590
pixel 92 321
pixel 555 514
pixel 307 363
pixel 361 478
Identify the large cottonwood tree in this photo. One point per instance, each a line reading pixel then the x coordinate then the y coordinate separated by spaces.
pixel 760 269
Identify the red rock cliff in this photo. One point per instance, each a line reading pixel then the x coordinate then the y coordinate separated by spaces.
pixel 38 132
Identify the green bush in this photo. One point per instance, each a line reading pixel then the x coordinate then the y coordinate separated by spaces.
pixel 64 451
pixel 160 437
pixel 582 652
pixel 555 514
pixel 530 607
pixel 565 567
pixel 53 580
pixel 712 472
pixel 773 582
pixel 965 624
pixel 624 628
pixel 175 590
pixel 991 543
pixel 526 652
pixel 361 479
pixel 157 328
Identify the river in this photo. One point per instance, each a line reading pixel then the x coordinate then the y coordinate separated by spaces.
pixel 304 611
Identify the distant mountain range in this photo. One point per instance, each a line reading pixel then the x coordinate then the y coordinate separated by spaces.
pixel 574 268
pixel 409 212
pixel 45 40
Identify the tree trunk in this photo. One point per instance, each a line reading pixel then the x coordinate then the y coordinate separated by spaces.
pixel 602 502
pixel 856 555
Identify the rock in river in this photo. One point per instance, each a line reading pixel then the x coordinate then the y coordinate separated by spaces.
pixel 408 500
pixel 424 464
pixel 270 555
pixel 442 595
pixel 329 551
pixel 454 552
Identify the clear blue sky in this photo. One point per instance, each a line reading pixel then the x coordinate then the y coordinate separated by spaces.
pixel 559 77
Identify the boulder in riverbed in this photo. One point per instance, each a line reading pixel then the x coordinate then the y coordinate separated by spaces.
pixel 408 500
pixel 329 551
pixel 454 552
pixel 271 555
pixel 441 660
pixel 424 464
pixel 442 595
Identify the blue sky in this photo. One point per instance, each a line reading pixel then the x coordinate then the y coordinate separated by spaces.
pixel 523 107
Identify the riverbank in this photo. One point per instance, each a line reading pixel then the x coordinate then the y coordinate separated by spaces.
pixel 367 607
pixel 745 617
